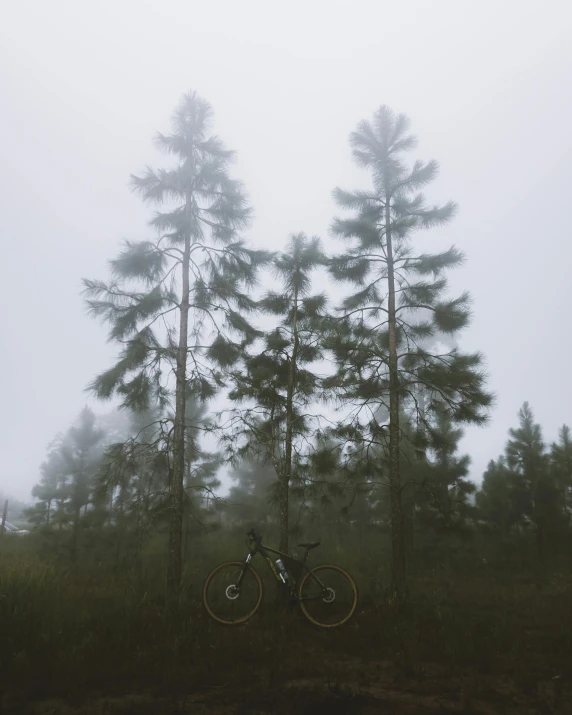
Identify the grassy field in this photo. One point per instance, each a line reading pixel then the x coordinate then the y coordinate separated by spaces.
pixel 88 640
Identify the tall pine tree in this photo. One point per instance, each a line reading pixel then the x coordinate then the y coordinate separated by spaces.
pixel 177 303
pixel 384 340
pixel 278 383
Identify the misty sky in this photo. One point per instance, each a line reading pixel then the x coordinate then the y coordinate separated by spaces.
pixel 84 87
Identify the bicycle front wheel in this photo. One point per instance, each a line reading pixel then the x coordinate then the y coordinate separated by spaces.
pixel 328 596
pixel 232 593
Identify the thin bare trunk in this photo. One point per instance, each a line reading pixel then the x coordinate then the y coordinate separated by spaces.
pixel 120 526
pixel 397 527
pixel 176 528
pixel 75 534
pixel 4 514
pixel 287 475
pixel 110 519
pixel 409 519
pixel 186 515
pixel 540 542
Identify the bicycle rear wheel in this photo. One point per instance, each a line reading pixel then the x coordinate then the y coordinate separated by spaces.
pixel 225 600
pixel 328 596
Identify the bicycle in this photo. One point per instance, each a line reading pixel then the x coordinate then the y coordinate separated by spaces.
pixel 327 594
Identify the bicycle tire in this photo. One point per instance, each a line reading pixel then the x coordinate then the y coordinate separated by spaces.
pixel 353 588
pixel 208 582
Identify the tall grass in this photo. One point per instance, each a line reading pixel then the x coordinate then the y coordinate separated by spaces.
pixel 94 626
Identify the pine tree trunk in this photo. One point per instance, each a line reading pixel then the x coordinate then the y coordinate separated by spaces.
pixel 287 472
pixel 174 568
pixel 397 527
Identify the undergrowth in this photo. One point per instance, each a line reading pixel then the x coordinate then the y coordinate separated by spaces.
pixel 97 628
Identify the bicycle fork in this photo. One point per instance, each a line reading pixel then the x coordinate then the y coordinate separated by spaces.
pixel 246 562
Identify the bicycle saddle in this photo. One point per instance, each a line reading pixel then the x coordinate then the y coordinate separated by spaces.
pixel 310 546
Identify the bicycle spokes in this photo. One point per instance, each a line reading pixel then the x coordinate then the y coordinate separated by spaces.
pixel 328 596
pixel 231 593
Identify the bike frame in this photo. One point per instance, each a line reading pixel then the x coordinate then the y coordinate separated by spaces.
pixel 259 548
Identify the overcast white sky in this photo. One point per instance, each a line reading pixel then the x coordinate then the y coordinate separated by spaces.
pixel 84 87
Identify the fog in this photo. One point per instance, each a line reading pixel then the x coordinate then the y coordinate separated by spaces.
pixel 85 87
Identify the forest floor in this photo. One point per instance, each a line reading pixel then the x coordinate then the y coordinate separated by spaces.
pixel 365 688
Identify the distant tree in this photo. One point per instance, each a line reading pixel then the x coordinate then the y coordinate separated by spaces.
pixel 444 496
pixel 18 510
pixel 521 489
pixel 561 464
pixel 497 500
pixel 52 471
pixel 278 384
pixel 81 458
pixel 251 496
pixel 341 487
pixel 527 457
pixel 177 303
pixel 368 462
pixel 201 469
pixel 385 340
pixel 135 475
